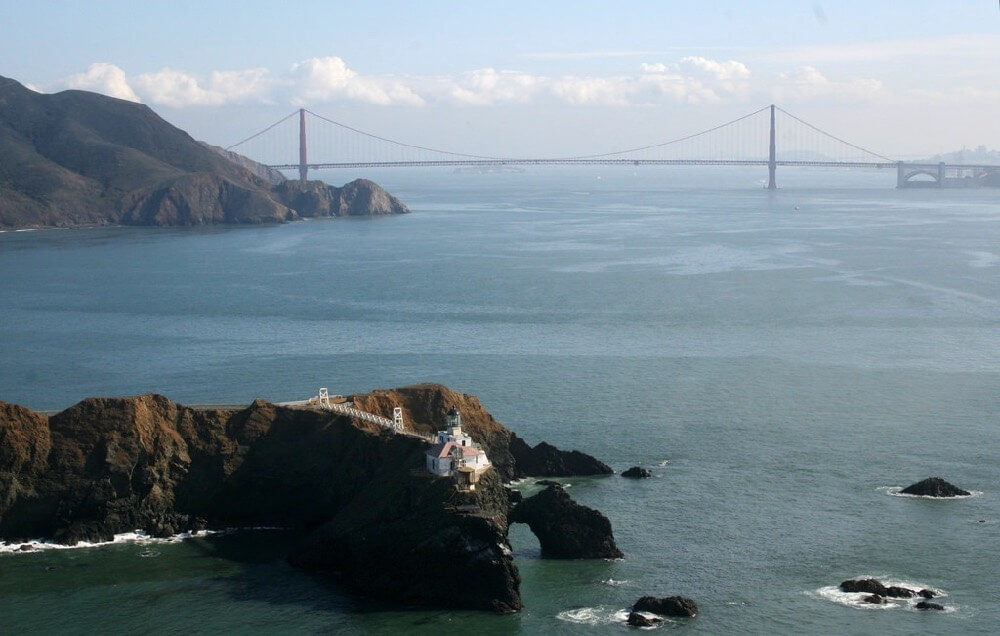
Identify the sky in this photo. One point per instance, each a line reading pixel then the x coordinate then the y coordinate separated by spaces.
pixel 542 78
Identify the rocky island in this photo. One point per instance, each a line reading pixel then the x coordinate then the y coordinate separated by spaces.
pixel 369 510
pixel 77 158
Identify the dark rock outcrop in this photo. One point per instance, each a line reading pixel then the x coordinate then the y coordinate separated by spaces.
pixel 545 460
pixel 925 593
pixel 934 487
pixel 867 586
pixel 566 529
pixel 635 619
pixel 676 606
pixel 421 541
pixel 874 599
pixel 877 588
pixel 371 514
pixel 637 472
pixel 927 605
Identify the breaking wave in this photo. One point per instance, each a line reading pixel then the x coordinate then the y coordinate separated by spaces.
pixel 138 537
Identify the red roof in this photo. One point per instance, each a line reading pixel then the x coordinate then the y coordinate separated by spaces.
pixel 443 450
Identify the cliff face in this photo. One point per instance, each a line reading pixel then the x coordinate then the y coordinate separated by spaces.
pixel 111 465
pixel 78 158
pixel 360 197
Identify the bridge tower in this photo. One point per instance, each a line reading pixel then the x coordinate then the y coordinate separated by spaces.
pixel 772 163
pixel 304 165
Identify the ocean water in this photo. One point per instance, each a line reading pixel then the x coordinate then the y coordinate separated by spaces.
pixel 782 361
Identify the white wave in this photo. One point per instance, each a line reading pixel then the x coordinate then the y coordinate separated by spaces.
pixel 856 599
pixel 664 463
pixel 616 582
pixel 593 616
pixel 139 537
pixel 896 491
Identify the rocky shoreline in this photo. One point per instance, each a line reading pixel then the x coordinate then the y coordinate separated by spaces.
pixel 370 512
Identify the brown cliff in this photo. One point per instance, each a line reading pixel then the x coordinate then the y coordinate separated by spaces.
pixel 111 465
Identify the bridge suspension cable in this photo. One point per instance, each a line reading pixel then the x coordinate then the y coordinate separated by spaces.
pixel 672 141
pixel 834 137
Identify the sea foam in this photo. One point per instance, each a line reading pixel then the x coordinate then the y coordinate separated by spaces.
pixel 138 537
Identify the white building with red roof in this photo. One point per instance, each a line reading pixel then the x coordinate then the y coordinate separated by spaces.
pixel 455 454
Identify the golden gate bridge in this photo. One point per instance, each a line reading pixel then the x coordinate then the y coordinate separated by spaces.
pixel 769 137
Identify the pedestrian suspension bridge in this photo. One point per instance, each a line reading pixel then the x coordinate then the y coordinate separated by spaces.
pixel 323 401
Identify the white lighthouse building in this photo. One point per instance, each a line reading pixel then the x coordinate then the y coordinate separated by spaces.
pixel 455 454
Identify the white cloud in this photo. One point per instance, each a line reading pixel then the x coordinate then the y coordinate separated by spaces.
pixel 488 86
pixel 594 90
pixel 328 78
pixel 808 83
pixel 693 80
pixel 722 71
pixel 177 88
pixel 103 78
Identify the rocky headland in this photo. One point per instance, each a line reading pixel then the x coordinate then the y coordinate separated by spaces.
pixel 368 509
pixel 77 158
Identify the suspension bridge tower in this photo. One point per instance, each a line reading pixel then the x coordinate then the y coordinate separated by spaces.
pixel 304 164
pixel 772 163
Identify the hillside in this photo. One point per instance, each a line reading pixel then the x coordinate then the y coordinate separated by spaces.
pixel 77 158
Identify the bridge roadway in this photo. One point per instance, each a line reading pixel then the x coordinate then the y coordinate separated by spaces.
pixel 487 163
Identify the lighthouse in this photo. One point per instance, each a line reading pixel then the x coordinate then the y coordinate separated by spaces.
pixel 454 454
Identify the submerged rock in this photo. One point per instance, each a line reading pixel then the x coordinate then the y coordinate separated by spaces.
pixel 637 472
pixel 934 487
pixel 874 599
pixel 565 529
pixel 677 606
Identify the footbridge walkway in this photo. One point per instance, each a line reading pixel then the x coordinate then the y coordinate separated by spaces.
pixel 323 401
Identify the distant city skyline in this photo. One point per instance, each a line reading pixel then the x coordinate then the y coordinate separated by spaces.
pixel 516 78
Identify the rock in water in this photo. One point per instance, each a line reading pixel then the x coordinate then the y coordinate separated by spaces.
pixel 934 487
pixel 565 529
pixel 867 586
pixel 876 588
pixel 545 460
pixel 637 472
pixel 667 606
pixel 635 619
pixel 927 605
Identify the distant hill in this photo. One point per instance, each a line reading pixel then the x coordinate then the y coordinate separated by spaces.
pixel 78 158
pixel 979 156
